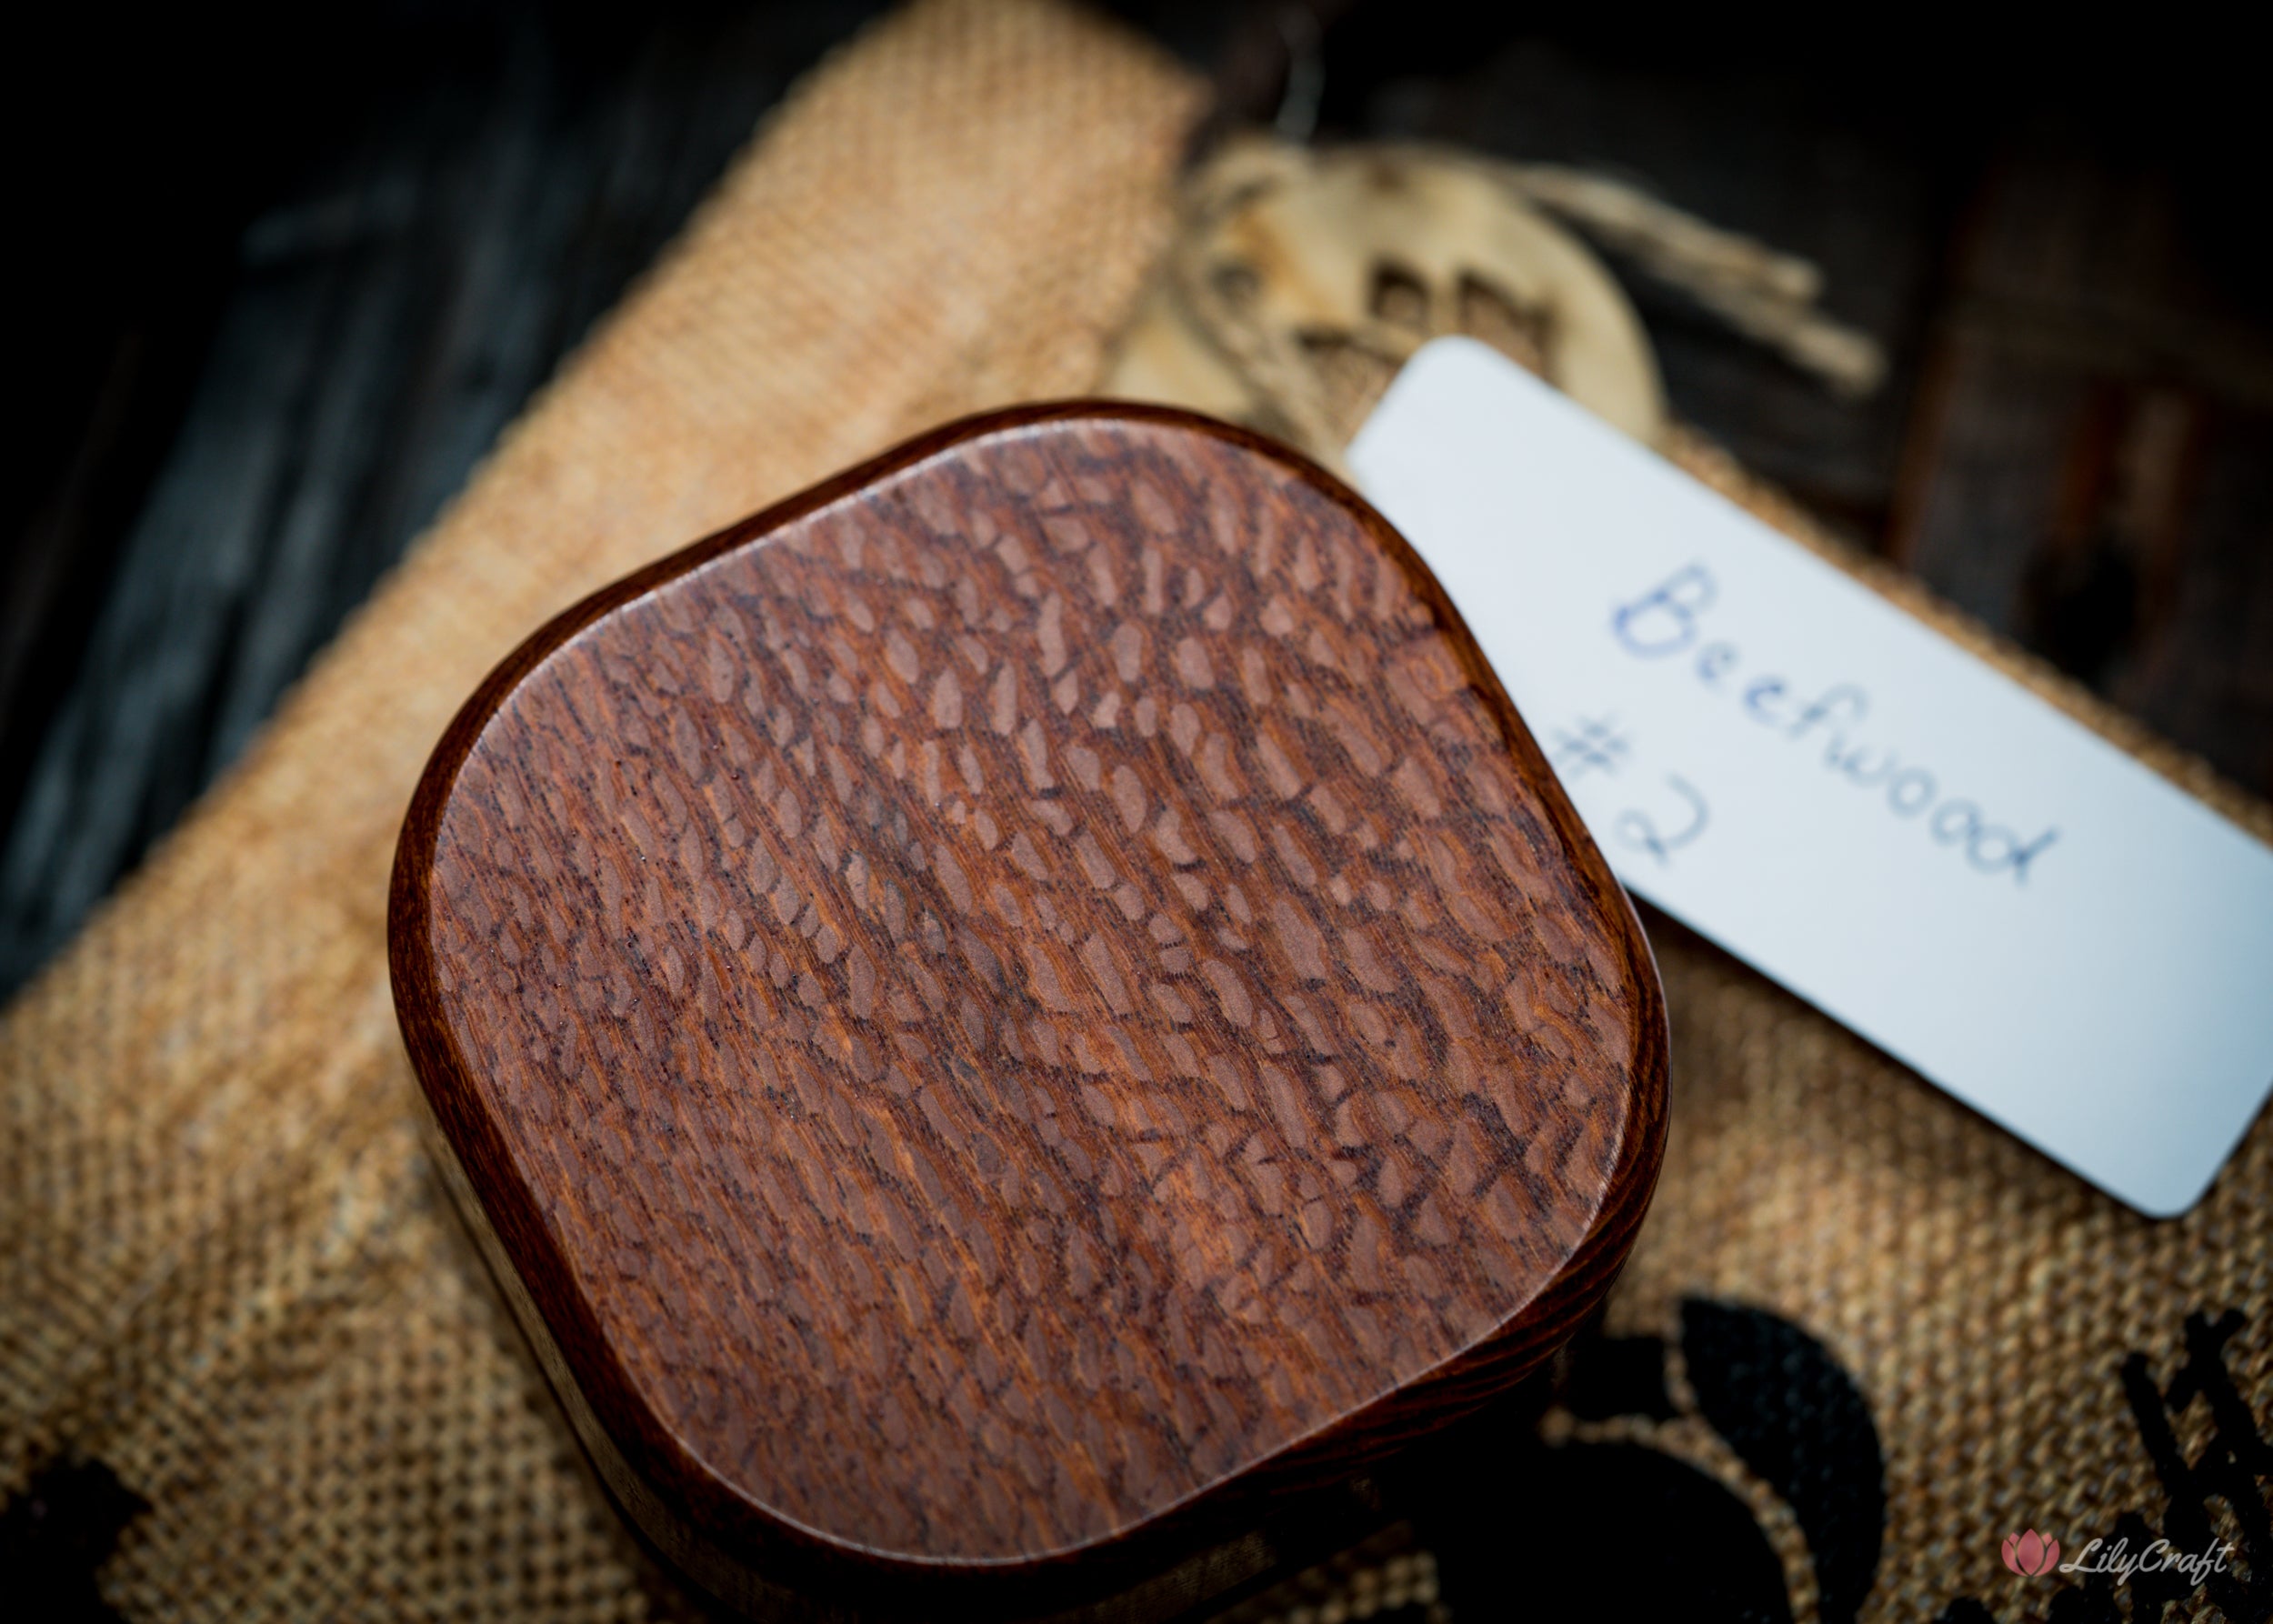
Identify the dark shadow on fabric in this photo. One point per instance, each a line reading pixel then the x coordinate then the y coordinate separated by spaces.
pixel 56 1534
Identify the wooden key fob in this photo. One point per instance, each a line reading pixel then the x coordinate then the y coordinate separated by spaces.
pixel 1001 1019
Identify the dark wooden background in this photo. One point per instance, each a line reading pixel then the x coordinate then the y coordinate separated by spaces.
pixel 288 274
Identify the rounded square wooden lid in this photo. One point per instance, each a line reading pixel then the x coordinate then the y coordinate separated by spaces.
pixel 1032 989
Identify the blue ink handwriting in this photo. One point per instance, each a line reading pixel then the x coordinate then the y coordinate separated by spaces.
pixel 1667 622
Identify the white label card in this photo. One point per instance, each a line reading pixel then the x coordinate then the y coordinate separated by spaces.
pixel 1778 756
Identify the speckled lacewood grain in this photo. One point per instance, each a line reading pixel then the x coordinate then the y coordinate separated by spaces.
pixel 1002 1013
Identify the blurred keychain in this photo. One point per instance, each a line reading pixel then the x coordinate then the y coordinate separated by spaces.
pixel 1303 277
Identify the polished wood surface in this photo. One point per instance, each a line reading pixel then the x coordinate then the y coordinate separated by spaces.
pixel 1007 1012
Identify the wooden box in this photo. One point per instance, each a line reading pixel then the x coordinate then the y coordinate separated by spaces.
pixel 1011 1023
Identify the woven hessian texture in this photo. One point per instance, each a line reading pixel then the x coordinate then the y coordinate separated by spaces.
pixel 226 1270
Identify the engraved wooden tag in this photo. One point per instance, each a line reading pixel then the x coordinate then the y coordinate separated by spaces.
pixel 1003 1013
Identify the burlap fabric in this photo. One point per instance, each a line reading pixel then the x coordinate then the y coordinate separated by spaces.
pixel 226 1271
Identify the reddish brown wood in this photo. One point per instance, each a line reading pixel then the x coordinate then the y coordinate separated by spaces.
pixel 1007 1012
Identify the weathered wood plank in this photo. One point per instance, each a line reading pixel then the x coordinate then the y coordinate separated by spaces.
pixel 387 318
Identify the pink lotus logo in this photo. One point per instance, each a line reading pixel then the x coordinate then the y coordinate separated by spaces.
pixel 2031 1553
